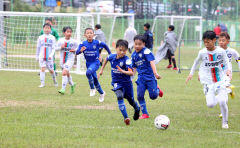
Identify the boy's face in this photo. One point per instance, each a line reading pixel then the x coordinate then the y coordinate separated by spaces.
pixel 223 42
pixel 145 28
pixel 169 29
pixel 121 51
pixel 47 29
pixel 68 33
pixel 49 22
pixel 209 44
pixel 89 34
pixel 138 45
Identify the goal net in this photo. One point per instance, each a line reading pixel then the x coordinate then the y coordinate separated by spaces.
pixel 189 34
pixel 19 32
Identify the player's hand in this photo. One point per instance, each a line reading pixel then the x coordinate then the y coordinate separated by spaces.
pixel 198 78
pixel 228 73
pixel 157 76
pixel 83 48
pixel 188 78
pixel 63 46
pixel 119 69
pixel 100 73
pixel 72 50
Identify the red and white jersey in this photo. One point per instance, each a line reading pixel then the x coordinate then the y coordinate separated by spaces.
pixel 232 53
pixel 65 55
pixel 211 70
pixel 45 47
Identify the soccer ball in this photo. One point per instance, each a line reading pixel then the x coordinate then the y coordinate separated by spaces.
pixel 162 122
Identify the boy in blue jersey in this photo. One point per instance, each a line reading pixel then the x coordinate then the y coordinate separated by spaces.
pixel 90 49
pixel 148 36
pixel 143 62
pixel 121 69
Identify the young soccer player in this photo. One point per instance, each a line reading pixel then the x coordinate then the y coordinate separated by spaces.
pixel 121 69
pixel 143 62
pixel 211 74
pixel 148 36
pixel 44 54
pixel 90 49
pixel 224 39
pixel 68 46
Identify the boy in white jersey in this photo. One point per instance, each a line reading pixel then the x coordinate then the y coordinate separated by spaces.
pixel 68 46
pixel 211 74
pixel 224 39
pixel 44 54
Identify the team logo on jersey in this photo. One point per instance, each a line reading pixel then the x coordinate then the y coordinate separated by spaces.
pixel 94 46
pixel 115 85
pixel 121 64
pixel 219 57
pixel 147 51
pixel 140 55
pixel 206 58
pixel 229 55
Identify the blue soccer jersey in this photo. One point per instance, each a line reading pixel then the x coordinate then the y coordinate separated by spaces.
pixel 141 61
pixel 91 53
pixel 124 63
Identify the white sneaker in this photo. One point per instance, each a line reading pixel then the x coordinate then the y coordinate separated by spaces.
pixel 220 116
pixel 92 92
pixel 225 126
pixel 101 98
pixel 41 86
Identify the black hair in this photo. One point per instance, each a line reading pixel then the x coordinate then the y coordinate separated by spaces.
pixel 88 29
pixel 66 28
pixel 225 34
pixel 147 25
pixel 123 43
pixel 49 19
pixel 209 35
pixel 98 26
pixel 171 27
pixel 47 24
pixel 140 37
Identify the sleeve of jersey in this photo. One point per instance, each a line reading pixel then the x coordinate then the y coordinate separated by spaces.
pixel 133 62
pixel 79 49
pixel 103 45
pixel 129 65
pixel 225 60
pixel 236 57
pixel 148 54
pixel 109 58
pixel 195 64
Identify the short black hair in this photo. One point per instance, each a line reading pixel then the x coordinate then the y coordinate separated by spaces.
pixel 47 24
pixel 209 35
pixel 49 19
pixel 98 26
pixel 225 34
pixel 147 25
pixel 140 37
pixel 123 43
pixel 66 28
pixel 171 27
pixel 88 29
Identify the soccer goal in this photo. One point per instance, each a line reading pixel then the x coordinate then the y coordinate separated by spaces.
pixel 19 32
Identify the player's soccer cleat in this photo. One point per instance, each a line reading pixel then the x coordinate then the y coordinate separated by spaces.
pixel 101 98
pixel 136 114
pixel 169 66
pixel 61 91
pixel 160 91
pixel 92 92
pixel 144 116
pixel 73 88
pixel 220 116
pixel 41 86
pixel 225 126
pixel 232 94
pixel 175 68
pixel 127 121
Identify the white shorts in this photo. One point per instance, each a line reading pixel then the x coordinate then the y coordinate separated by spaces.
pixel 68 65
pixel 48 64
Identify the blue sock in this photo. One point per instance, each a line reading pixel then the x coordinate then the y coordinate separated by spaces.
pixel 99 89
pixel 122 108
pixel 91 83
pixel 143 106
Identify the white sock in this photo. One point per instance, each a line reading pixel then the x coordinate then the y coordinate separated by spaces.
pixel 70 80
pixel 42 78
pixel 228 90
pixel 222 100
pixel 64 82
pixel 54 78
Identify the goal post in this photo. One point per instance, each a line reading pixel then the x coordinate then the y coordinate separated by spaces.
pixel 20 31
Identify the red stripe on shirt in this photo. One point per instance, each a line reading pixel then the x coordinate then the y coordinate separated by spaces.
pixel 212 69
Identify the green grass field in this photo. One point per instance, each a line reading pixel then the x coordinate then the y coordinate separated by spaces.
pixel 40 117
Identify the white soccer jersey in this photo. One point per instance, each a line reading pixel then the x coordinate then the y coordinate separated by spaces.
pixel 211 70
pixel 45 47
pixel 232 53
pixel 65 55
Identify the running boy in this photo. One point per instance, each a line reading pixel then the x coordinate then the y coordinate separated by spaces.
pixel 68 46
pixel 211 74
pixel 224 39
pixel 90 49
pixel 143 62
pixel 44 54
pixel 121 69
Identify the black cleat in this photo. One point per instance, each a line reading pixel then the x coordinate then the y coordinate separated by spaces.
pixel 136 114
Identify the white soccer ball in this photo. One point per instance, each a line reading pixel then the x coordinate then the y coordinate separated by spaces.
pixel 162 122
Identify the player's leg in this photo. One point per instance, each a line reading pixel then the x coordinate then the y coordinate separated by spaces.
pixel 140 96
pixel 229 87
pixel 64 81
pixel 210 95
pixel 42 65
pixel 51 70
pixel 98 87
pixel 169 59
pixel 174 62
pixel 90 78
pixel 129 95
pixel 68 65
pixel 54 65
pixel 153 89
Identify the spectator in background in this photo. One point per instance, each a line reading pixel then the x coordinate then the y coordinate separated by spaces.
pixel 129 35
pixel 148 36
pixel 99 35
pixel 217 30
pixel 223 28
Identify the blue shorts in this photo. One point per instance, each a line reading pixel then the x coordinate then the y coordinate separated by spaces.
pixel 150 85
pixel 94 66
pixel 126 87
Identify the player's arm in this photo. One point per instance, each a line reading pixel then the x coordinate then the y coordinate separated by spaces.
pixel 126 72
pixel 237 58
pixel 38 49
pixel 103 66
pixel 195 64
pixel 105 46
pixel 80 49
pixel 53 49
pixel 153 66
pixel 226 63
